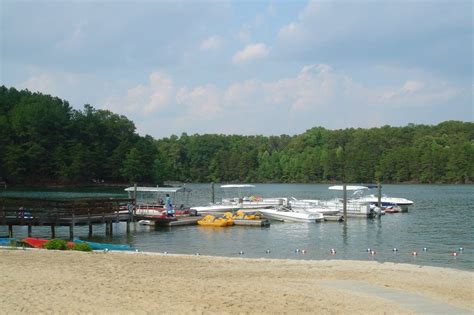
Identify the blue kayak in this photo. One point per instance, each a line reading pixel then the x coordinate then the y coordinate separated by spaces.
pixel 103 246
pixel 6 241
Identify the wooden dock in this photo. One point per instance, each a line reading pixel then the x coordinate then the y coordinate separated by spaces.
pixel 66 212
pixel 170 221
pixel 334 218
pixel 263 222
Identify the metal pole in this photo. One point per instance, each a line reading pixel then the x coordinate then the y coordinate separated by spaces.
pixel 212 192
pixel 135 193
pixel 344 205
pixel 379 189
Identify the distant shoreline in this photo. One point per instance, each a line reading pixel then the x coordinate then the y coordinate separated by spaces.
pixel 122 185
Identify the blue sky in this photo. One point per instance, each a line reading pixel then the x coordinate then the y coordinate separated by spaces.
pixel 252 67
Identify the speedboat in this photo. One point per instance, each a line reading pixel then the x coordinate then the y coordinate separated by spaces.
pixel 355 207
pixel 288 215
pixel 386 201
pixel 240 199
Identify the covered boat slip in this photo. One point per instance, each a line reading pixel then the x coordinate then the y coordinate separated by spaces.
pixel 66 212
pixel 154 196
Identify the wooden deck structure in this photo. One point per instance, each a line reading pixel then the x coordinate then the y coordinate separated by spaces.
pixel 263 222
pixel 173 221
pixel 66 212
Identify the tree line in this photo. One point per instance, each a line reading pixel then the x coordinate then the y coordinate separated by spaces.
pixel 43 140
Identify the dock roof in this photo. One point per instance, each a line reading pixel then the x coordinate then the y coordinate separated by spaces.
pixel 159 189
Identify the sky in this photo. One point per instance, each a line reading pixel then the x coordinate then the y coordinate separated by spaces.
pixel 246 67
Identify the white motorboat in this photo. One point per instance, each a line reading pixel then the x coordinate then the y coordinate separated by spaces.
pixel 288 215
pixel 386 201
pixel 355 207
pixel 239 197
pixel 312 206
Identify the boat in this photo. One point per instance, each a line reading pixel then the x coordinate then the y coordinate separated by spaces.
pixel 355 207
pixel 288 215
pixel 6 241
pixel 239 197
pixel 105 246
pixel 312 206
pixel 40 242
pixel 386 201
pixel 210 220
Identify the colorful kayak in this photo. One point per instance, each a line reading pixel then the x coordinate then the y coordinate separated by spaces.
pixel 40 242
pixel 104 246
pixel 6 241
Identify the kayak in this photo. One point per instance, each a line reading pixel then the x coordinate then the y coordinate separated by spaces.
pixel 6 241
pixel 103 246
pixel 39 242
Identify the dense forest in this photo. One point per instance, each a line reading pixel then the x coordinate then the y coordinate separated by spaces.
pixel 43 140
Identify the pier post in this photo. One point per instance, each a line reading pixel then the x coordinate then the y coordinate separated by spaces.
pixel 212 192
pixel 344 200
pixel 130 208
pixel 71 227
pixel 10 231
pixel 134 201
pixel 90 230
pixel 135 192
pixel 379 195
pixel 53 231
pixel 108 227
pixel 29 230
pixel 111 227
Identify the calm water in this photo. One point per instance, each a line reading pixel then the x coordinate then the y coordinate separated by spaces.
pixel 441 221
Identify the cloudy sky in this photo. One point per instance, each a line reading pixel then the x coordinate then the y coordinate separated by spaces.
pixel 253 67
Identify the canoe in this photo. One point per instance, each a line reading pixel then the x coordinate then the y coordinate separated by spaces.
pixel 6 241
pixel 39 242
pixel 104 246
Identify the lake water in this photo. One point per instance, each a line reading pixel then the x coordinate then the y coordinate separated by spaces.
pixel 441 220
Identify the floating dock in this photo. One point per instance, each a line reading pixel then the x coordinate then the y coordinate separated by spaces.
pixel 263 222
pixel 335 218
pixel 170 221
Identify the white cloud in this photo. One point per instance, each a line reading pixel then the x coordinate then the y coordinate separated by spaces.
pixel 200 102
pixel 317 95
pixel 156 96
pixel 43 82
pixel 211 43
pixel 251 52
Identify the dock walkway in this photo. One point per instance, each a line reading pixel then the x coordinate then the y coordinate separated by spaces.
pixel 65 212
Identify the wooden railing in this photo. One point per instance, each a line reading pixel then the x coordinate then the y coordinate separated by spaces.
pixel 51 210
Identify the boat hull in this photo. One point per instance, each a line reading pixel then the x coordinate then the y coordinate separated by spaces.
pixel 291 216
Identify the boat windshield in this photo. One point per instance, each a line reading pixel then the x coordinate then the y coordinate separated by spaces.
pixel 239 191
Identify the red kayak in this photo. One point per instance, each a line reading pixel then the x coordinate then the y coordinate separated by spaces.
pixel 39 242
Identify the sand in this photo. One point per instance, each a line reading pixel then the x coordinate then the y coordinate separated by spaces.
pixel 41 281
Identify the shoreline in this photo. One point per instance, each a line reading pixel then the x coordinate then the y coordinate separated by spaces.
pixel 60 281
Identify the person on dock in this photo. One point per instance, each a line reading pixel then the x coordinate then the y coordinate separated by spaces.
pixel 169 206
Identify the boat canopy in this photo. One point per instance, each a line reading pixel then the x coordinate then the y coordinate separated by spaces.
pixel 348 187
pixel 159 189
pixel 238 186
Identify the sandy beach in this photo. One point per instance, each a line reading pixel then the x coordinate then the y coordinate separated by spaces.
pixel 41 281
